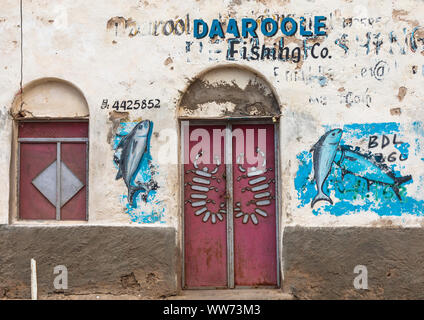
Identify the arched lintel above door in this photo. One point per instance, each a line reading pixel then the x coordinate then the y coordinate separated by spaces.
pixel 229 92
pixel 49 98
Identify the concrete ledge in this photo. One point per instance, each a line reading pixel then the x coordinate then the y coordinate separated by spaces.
pixel 99 259
pixel 319 262
pixel 232 294
pixel 141 261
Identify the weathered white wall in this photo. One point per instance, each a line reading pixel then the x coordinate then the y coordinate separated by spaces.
pixel 70 40
pixel 9 79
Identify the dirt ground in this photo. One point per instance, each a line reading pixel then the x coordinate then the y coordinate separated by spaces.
pixel 236 294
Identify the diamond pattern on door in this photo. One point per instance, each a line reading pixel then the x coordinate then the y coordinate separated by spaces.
pixel 45 182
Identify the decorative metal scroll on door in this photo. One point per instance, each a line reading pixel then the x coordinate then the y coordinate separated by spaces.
pixel 200 187
pixel 259 187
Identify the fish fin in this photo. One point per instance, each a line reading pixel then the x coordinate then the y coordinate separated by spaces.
pixel 116 159
pixel 321 197
pixel 122 141
pixel 119 174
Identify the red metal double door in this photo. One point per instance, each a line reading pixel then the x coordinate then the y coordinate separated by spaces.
pixel 230 234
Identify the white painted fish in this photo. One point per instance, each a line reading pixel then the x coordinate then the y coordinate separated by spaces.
pixel 324 152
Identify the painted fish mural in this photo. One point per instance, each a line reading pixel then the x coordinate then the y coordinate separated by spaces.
pixel 327 152
pixel 128 157
pixel 324 153
pixel 366 167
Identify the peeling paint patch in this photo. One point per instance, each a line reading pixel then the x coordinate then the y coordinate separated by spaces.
pixel 116 118
pixel 121 22
pixel 252 100
pixel 399 15
pixel 395 111
pixel 402 92
pixel 168 61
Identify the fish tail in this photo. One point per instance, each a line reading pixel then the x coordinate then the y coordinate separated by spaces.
pixel 133 189
pixel 131 192
pixel 321 196
pixel 402 180
pixel 119 174
pixel 398 182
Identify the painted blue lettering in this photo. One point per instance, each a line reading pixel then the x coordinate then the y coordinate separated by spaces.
pixel 196 25
pixel 318 25
pixel 216 29
pixel 293 28
pixel 233 28
pixel 274 27
pixel 248 26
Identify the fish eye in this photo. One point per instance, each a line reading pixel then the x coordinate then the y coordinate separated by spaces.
pixel 333 134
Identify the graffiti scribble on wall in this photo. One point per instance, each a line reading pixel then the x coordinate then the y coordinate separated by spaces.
pixel 134 163
pixel 360 166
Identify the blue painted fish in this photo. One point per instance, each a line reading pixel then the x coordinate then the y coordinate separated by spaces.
pixel 128 156
pixel 367 167
pixel 324 152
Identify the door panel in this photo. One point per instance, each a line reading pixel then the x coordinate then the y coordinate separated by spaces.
pixel 255 261
pixel 34 158
pixel 73 155
pixel 204 212
pixel 53 129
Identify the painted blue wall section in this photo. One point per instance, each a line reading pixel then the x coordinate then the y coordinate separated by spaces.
pixel 352 193
pixel 152 210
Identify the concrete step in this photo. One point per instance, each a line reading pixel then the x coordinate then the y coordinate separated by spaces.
pixel 232 294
